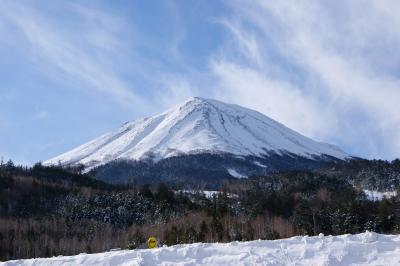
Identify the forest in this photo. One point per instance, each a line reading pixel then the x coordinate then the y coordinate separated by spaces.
pixel 50 211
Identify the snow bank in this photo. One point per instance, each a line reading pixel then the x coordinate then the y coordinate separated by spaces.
pixel 377 195
pixel 206 193
pixel 362 249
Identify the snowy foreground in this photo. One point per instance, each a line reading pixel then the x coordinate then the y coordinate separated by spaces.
pixel 362 249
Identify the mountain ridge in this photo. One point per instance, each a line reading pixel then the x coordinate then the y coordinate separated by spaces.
pixel 197 126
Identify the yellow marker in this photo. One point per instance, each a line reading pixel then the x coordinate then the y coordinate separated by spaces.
pixel 152 242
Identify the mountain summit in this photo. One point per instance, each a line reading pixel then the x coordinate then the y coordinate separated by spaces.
pixel 198 126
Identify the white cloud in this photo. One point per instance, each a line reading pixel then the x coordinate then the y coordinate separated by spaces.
pixel 84 53
pixel 277 98
pixel 176 90
pixel 312 64
pixel 246 41
pixel 328 69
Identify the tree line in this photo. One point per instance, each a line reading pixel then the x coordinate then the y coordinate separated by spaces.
pixel 49 211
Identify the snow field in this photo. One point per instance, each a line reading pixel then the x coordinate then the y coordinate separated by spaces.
pixel 363 249
pixel 378 195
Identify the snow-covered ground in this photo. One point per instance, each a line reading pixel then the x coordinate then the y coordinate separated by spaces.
pixel 235 173
pixel 362 249
pixel 206 193
pixel 378 195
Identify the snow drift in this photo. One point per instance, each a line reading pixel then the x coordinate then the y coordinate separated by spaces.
pixel 362 249
pixel 197 126
pixel 375 195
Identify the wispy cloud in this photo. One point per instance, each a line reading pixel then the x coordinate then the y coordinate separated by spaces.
pixel 326 69
pixel 277 98
pixel 329 69
pixel 83 50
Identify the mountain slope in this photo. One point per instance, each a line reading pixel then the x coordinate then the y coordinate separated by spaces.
pixel 198 126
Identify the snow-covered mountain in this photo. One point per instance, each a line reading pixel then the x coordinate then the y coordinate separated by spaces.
pixel 197 126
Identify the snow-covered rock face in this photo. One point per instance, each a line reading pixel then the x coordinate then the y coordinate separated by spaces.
pixel 197 126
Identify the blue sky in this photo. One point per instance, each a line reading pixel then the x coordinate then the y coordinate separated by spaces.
pixel 73 70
